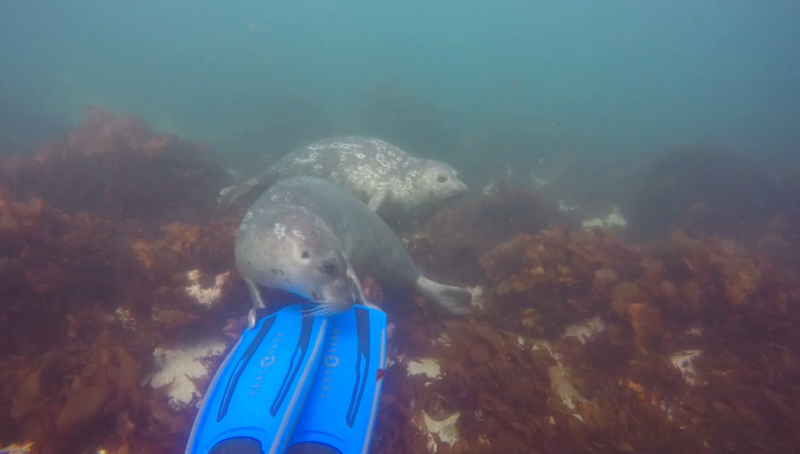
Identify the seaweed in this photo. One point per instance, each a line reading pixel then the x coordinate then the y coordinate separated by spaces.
pixel 706 293
pixel 101 234
pixel 112 247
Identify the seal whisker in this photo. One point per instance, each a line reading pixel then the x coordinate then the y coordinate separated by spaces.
pixel 311 312
pixel 327 310
pixel 324 309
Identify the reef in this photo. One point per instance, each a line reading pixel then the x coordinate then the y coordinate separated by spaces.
pixel 586 344
pixel 120 298
pixel 109 247
pixel 781 239
pixel 451 243
pixel 705 190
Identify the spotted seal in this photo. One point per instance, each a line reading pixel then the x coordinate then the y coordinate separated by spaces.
pixel 377 172
pixel 309 236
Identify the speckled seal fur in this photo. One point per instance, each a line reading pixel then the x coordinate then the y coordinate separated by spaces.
pixel 311 237
pixel 380 174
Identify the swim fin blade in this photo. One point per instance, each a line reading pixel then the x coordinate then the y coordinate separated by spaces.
pixel 339 413
pixel 254 400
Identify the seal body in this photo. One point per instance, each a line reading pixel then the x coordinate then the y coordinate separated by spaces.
pixel 378 173
pixel 311 237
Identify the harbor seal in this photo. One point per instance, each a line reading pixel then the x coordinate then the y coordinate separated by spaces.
pixel 309 236
pixel 377 172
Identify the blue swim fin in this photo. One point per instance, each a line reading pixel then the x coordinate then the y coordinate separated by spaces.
pixel 254 400
pixel 339 412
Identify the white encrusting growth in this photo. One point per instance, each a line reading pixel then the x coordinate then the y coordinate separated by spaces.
pixel 205 296
pixel 559 374
pixel 562 206
pixel 180 365
pixel 614 219
pixel 445 429
pixel 683 361
pixel 124 316
pixel 560 379
pixel 427 366
pixel 585 329
pixel 477 296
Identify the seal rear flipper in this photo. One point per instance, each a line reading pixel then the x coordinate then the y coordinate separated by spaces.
pixel 455 300
pixel 255 398
pixel 339 413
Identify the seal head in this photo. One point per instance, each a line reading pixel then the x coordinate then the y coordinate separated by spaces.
pixel 436 184
pixel 291 249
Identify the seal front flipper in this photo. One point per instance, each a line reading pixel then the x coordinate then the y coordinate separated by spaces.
pixel 255 294
pixel 339 413
pixel 255 398
pixel 232 193
pixel 455 300
pixel 377 200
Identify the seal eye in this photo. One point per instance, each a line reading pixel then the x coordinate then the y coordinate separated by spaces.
pixel 330 269
pixel 305 254
pixel 441 178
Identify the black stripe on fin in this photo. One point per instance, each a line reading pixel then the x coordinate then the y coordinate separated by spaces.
pixel 362 328
pixel 299 354
pixel 241 366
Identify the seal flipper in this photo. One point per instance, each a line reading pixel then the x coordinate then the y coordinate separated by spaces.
pixel 455 300
pixel 232 193
pixel 255 294
pixel 377 200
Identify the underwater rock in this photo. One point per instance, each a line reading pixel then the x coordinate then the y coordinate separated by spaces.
pixel 118 167
pixel 458 236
